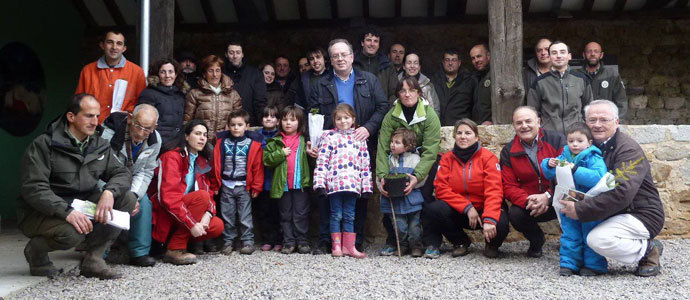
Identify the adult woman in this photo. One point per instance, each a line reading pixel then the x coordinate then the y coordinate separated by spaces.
pixel 470 195
pixel 273 91
pixel 412 67
pixel 166 91
pixel 215 98
pixel 183 198
pixel 412 112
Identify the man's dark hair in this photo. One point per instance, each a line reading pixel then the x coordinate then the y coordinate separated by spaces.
pixel 370 30
pixel 483 44
pixel 450 51
pixel 233 42
pixel 239 114
pixel 74 105
pixel 317 50
pixel 281 55
pixel 559 42
pixel 115 32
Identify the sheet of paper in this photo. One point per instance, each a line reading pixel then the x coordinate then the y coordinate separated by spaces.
pixel 118 95
pixel 120 219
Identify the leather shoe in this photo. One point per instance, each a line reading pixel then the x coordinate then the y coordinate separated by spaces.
pixel 142 261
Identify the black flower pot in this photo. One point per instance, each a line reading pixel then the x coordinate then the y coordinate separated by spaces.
pixel 396 186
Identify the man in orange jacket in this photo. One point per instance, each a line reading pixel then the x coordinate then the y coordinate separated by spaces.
pixel 112 74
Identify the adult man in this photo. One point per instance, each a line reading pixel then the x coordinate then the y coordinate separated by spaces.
pixel 455 89
pixel 524 185
pixel 370 60
pixel 249 82
pixel 283 75
pixel 113 80
pixel 632 212
pixel 396 55
pixel 63 164
pixel 360 90
pixel 317 61
pixel 605 81
pixel 303 64
pixel 537 65
pixel 560 95
pixel 136 144
pixel 481 109
pixel 187 61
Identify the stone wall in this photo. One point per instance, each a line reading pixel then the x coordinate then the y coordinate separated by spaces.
pixel 667 147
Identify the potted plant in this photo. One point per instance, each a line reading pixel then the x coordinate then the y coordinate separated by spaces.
pixel 395 185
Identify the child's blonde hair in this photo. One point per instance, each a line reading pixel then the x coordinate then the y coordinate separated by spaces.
pixel 345 108
pixel 409 138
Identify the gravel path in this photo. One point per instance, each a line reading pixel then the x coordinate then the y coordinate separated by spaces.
pixel 271 275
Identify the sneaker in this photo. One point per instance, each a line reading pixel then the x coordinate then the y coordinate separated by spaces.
pixel 227 249
pixel 587 272
pixel 563 271
pixel 417 252
pixel 460 250
pixel 247 249
pixel 277 247
pixel 432 252
pixel 490 251
pixel 303 249
pixel 650 265
pixel 288 249
pixel 266 247
pixel 387 250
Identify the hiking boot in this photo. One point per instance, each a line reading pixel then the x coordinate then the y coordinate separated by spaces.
pixel 650 265
pixel 490 251
pixel 196 248
pixel 247 249
pixel 227 249
pixel 563 271
pixel 142 261
pixel 288 249
pixel 587 272
pixel 460 250
pixel 432 252
pixel 535 248
pixel 93 264
pixel 36 254
pixel 210 246
pixel 387 250
pixel 303 249
pixel 179 257
pixel 417 252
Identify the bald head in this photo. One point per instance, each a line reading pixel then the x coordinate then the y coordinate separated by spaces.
pixel 593 54
pixel 143 122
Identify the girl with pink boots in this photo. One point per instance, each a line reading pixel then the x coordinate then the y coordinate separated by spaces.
pixel 343 173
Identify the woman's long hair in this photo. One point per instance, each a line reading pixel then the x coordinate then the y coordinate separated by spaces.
pixel 179 77
pixel 179 140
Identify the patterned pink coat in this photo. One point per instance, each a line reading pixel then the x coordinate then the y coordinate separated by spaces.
pixel 343 163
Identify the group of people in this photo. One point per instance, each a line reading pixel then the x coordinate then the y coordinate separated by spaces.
pixel 178 154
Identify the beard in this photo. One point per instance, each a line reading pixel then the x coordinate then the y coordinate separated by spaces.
pixel 592 62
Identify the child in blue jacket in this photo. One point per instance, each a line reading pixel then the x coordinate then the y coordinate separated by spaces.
pixel 588 167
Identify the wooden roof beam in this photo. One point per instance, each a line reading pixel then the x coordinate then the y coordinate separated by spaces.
pixel 208 12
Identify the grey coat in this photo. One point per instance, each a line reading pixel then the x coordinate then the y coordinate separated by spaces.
pixel 607 84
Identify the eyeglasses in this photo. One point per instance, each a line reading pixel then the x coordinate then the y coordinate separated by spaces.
pixel 340 55
pixel 408 92
pixel 144 129
pixel 592 121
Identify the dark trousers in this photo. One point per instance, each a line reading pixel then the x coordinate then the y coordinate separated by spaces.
pixel 439 219
pixel 528 225
pixel 360 219
pixel 324 217
pixel 428 187
pixel 269 218
pixel 294 217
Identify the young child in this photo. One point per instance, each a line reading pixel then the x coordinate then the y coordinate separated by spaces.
pixel 238 166
pixel 587 167
pixel 402 160
pixel 267 207
pixel 343 172
pixel 286 154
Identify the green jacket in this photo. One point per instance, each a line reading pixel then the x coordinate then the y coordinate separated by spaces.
pixel 274 157
pixel 425 125
pixel 54 172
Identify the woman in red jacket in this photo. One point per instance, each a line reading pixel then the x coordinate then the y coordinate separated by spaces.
pixel 183 206
pixel 469 195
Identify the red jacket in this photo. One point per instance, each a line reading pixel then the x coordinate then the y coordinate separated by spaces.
pixel 476 182
pixel 520 177
pixel 166 196
pixel 255 165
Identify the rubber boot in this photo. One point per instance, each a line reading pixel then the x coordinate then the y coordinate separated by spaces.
pixel 349 245
pixel 36 254
pixel 93 264
pixel 336 249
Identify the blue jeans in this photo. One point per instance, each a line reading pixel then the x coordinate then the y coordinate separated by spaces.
pixel 140 229
pixel 409 229
pixel 342 210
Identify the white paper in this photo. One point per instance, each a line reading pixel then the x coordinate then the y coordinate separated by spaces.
pixel 315 129
pixel 118 95
pixel 564 178
pixel 120 219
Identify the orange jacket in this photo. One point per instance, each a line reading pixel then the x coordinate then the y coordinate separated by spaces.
pixel 100 82
pixel 476 182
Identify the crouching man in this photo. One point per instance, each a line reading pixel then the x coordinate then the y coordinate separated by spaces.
pixel 63 164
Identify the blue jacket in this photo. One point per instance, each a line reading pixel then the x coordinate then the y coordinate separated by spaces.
pixel 268 172
pixel 404 164
pixel 590 167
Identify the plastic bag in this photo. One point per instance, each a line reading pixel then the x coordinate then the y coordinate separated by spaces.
pixel 315 122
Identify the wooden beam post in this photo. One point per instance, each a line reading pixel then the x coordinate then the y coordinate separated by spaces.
pixel 162 29
pixel 505 41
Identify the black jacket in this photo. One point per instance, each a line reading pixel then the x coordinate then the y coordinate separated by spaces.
pixel 481 110
pixel 250 84
pixel 169 101
pixel 456 101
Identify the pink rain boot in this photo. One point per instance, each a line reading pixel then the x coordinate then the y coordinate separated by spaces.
pixel 349 245
pixel 336 250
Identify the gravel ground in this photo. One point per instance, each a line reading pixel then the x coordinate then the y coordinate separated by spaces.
pixel 269 275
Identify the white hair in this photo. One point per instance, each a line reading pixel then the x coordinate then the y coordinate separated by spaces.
pixel 335 41
pixel 144 107
pixel 612 105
